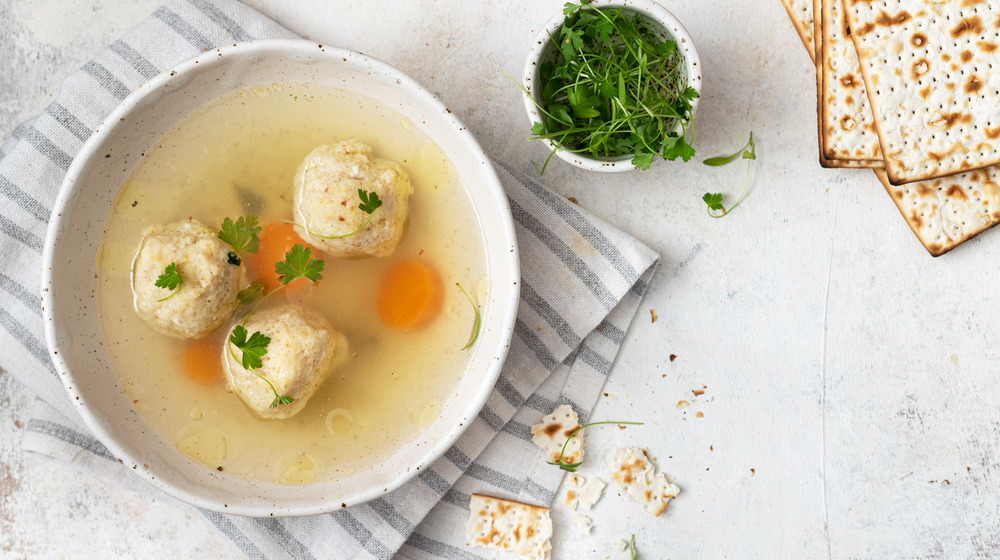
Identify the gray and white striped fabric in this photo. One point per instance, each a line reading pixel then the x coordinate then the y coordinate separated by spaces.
pixel 575 309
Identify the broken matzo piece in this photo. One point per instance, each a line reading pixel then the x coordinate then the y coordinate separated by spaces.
pixel 930 73
pixel 801 14
pixel 573 483
pixel 582 523
pixel 847 127
pixel 507 525
pixel 583 493
pixel 590 493
pixel 636 477
pixel 946 212
pixel 552 432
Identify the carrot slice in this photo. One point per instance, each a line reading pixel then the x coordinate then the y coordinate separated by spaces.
pixel 202 361
pixel 410 295
pixel 276 238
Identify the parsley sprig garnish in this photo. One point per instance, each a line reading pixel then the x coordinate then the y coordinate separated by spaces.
pixel 571 467
pixel 369 204
pixel 253 348
pixel 614 88
pixel 631 547
pixel 242 235
pixel 170 280
pixel 714 200
pixel 476 323
pixel 298 263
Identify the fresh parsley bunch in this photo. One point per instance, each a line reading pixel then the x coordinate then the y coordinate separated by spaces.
pixel 614 88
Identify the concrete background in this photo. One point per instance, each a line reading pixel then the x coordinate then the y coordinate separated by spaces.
pixel 850 406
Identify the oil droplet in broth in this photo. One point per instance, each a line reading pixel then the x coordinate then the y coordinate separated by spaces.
pixel 203 443
pixel 339 421
pixel 429 172
pixel 425 415
pixel 295 468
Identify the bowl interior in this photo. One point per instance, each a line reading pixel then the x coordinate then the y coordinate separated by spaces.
pixel 659 20
pixel 75 233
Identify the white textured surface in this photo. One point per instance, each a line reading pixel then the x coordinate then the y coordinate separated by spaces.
pixel 851 376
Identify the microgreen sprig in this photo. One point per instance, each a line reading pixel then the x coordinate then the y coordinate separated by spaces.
pixel 571 467
pixel 476 323
pixel 369 204
pixel 298 263
pixel 170 280
pixel 713 201
pixel 631 547
pixel 613 88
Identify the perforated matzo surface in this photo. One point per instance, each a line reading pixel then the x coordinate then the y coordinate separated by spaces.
pixel 847 124
pixel 946 212
pixel 933 75
pixel 801 14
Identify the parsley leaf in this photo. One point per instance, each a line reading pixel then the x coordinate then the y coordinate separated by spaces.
pixel 714 201
pixel 253 348
pixel 251 293
pixel 369 202
pixel 241 235
pixel 170 280
pixel 299 263
pixel 643 161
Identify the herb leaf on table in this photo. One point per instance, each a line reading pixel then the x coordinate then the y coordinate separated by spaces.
pixel 713 201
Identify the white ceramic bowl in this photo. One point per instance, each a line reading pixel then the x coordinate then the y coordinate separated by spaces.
pixel 68 279
pixel 542 50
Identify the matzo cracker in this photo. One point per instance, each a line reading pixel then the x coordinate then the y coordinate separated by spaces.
pixel 930 73
pixel 801 14
pixel 507 525
pixel 635 476
pixel 846 121
pixel 945 212
pixel 551 433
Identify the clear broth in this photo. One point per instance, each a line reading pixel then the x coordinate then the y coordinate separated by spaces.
pixel 237 156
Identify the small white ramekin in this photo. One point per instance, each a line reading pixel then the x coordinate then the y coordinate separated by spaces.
pixel 541 49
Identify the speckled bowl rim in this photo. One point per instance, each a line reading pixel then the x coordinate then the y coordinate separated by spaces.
pixel 650 9
pixel 501 329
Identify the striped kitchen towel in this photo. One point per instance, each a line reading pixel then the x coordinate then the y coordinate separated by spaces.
pixel 582 284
